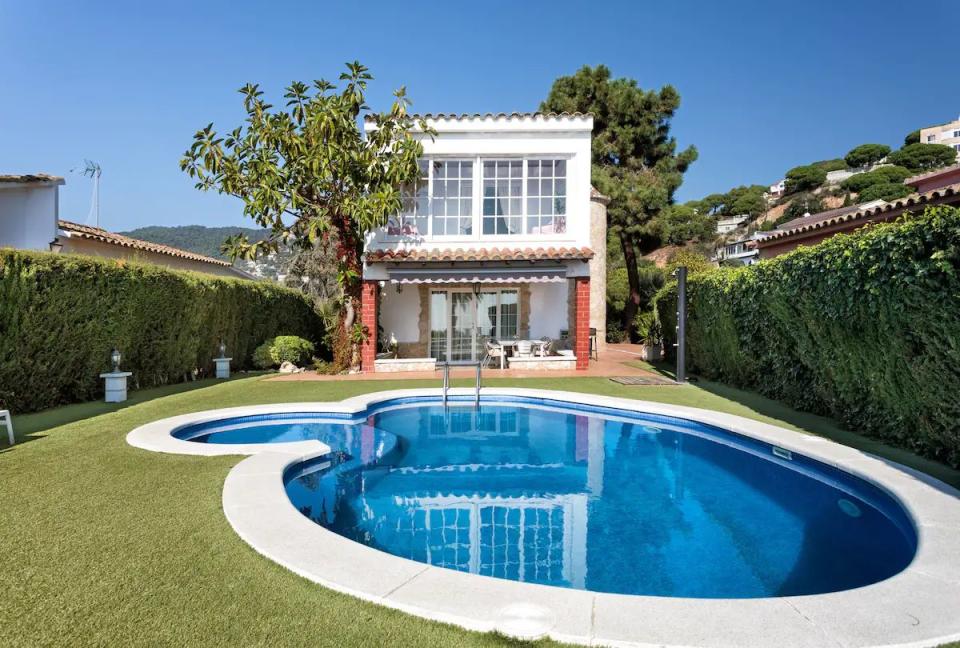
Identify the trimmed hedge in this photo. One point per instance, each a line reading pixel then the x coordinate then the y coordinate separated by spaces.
pixel 863 327
pixel 60 315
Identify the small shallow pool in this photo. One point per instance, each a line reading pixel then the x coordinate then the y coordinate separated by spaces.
pixel 585 497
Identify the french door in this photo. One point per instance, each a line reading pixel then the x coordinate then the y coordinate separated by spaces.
pixel 461 321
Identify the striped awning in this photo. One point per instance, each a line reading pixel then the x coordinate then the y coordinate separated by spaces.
pixel 478 275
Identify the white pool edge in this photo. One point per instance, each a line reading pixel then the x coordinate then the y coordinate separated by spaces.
pixel 918 607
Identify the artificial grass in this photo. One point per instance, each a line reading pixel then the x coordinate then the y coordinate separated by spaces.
pixel 105 544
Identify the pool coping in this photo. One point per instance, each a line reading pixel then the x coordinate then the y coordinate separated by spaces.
pixel 918 607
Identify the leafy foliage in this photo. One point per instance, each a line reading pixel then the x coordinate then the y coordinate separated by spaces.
pixel 882 175
pixel 923 157
pixel 678 224
pixel 283 348
pixel 885 191
pixel 635 159
pixel 694 262
pixel 804 178
pixel 913 137
pixel 739 200
pixel 866 155
pixel 308 174
pixel 837 164
pixel 61 314
pixel 862 327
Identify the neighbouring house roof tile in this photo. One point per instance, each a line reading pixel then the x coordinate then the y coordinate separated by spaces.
pixel 493 254
pixel 24 178
pixel 858 213
pixel 102 235
pixel 930 175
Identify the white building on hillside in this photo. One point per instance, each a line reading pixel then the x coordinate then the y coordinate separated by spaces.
pixel 948 134
pixel 730 223
pixel 502 239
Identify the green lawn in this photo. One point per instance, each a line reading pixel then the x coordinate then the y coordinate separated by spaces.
pixel 110 545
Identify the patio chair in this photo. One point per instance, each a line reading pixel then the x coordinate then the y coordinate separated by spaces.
pixel 524 348
pixel 494 350
pixel 8 423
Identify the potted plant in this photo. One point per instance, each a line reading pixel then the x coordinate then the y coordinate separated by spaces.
pixel 651 336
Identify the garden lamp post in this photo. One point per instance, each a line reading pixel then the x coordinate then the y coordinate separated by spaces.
pixel 223 362
pixel 681 275
pixel 115 381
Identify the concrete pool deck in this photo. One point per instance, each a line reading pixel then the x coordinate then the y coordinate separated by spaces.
pixel 920 606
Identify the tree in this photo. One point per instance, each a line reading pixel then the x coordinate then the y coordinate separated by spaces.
pixel 694 262
pixel 836 164
pixel 866 155
pixel 804 178
pixel 913 137
pixel 923 157
pixel 308 174
pixel 801 205
pixel 881 175
pixel 746 200
pixel 885 191
pixel 678 224
pixel 635 160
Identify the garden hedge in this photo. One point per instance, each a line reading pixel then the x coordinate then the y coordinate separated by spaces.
pixel 60 315
pixel 862 327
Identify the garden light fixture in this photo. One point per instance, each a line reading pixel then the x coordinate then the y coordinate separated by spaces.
pixel 115 358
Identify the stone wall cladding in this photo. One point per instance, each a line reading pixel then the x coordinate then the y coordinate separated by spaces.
pixel 598 266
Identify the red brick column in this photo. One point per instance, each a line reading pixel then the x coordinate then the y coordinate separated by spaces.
pixel 581 325
pixel 368 317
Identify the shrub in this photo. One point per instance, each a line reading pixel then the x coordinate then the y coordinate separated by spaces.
pixel 60 314
pixel 800 206
pixel 283 348
pixel 884 191
pixel 863 327
pixel 838 164
pixel 804 178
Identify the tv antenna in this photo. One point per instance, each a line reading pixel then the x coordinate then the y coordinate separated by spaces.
pixel 92 170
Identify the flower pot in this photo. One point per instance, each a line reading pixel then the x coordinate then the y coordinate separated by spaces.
pixel 652 352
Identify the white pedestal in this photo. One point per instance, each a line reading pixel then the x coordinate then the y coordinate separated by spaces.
pixel 115 386
pixel 223 367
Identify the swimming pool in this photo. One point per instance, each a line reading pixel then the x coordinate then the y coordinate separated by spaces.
pixel 584 497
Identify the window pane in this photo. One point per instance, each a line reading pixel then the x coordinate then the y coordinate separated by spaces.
pixel 560 186
pixel 560 168
pixel 559 205
pixel 533 206
pixel 533 168
pixel 488 225
pixel 546 206
pixel 509 314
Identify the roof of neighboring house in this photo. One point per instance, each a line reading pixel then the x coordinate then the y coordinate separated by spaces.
pixel 102 235
pixel 930 175
pixel 28 178
pixel 857 213
pixel 493 254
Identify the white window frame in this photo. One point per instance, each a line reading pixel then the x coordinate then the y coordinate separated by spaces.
pixel 448 316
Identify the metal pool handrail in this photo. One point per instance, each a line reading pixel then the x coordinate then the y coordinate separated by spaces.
pixel 446 380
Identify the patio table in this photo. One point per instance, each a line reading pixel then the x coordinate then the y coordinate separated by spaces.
pixel 536 345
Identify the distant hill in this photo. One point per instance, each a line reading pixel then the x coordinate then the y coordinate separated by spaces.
pixel 194 238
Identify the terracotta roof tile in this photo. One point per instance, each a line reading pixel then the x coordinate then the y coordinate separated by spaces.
pixel 29 177
pixel 102 235
pixel 811 223
pixel 497 116
pixel 492 254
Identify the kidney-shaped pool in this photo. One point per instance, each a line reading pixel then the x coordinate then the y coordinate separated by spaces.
pixel 586 497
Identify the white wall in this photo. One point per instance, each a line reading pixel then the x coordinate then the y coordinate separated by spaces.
pixel 28 217
pixel 400 312
pixel 503 138
pixel 548 309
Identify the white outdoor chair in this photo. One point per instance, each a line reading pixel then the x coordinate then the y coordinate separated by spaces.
pixel 494 350
pixel 524 348
pixel 6 421
pixel 547 347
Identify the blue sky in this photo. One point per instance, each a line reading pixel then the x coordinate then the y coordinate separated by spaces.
pixel 765 86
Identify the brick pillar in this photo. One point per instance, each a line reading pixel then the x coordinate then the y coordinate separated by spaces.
pixel 368 317
pixel 581 321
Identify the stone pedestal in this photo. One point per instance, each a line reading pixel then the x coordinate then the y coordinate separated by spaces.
pixel 223 367
pixel 115 384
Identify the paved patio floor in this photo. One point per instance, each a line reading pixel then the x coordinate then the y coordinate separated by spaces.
pixel 612 362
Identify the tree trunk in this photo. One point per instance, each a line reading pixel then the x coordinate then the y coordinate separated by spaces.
pixel 632 304
pixel 346 352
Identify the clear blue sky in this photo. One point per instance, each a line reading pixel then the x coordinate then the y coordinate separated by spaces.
pixel 765 85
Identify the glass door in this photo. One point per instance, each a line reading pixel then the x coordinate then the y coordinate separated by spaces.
pixel 462 327
pixel 439 316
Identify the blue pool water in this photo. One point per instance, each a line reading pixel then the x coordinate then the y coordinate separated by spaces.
pixel 587 498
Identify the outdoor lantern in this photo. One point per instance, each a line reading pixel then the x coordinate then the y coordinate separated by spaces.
pixel 115 358
pixel 476 288
pixel 223 348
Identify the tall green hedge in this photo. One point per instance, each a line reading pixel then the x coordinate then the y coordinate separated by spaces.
pixel 60 315
pixel 863 327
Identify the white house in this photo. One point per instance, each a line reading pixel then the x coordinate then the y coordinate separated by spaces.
pixel 502 239
pixel 730 223
pixel 30 220
pixel 742 250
